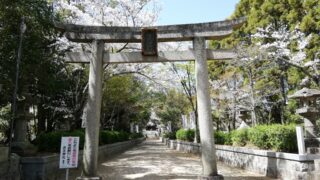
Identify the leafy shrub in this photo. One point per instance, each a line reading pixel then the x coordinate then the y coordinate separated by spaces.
pixel 277 137
pixel 108 137
pixel 223 138
pixel 123 136
pixel 170 135
pixel 239 137
pixel 282 138
pixel 258 136
pixel 50 142
pixel 185 135
pixel 136 135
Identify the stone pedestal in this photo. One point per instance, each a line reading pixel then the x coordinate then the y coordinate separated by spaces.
pixel 216 177
pixel 88 178
pixel 23 148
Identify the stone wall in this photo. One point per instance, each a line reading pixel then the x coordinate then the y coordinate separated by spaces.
pixel 286 166
pixel 47 167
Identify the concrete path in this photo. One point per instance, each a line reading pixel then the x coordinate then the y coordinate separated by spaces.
pixel 152 160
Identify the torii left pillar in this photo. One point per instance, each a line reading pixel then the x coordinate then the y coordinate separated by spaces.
pixel 92 115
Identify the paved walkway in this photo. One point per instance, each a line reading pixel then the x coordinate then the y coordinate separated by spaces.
pixel 153 161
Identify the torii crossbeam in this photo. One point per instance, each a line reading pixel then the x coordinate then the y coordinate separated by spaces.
pixel 198 33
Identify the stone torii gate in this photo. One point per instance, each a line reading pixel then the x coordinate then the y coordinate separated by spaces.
pixel 99 35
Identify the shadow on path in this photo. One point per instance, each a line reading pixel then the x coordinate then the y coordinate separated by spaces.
pixel 151 160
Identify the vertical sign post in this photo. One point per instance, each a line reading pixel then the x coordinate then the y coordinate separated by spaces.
pixel 300 140
pixel 69 151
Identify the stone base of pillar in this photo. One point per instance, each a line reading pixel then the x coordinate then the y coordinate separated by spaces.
pixel 23 148
pixel 89 178
pixel 216 177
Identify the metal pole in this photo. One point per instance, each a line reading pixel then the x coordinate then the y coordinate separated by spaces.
pixel 67 174
pixel 14 101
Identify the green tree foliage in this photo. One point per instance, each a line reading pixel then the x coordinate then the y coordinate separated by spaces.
pixel 43 80
pixel 4 122
pixel 125 99
pixel 267 80
pixel 170 106
pixel 36 52
pixel 304 15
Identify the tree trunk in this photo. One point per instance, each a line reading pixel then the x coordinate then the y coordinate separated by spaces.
pixel 252 98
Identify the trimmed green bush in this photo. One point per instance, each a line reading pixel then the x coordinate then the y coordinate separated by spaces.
pixel 185 135
pixel 282 138
pixel 258 136
pixel 108 137
pixel 50 142
pixel 136 135
pixel 170 135
pixel 276 137
pixel 239 137
pixel 222 138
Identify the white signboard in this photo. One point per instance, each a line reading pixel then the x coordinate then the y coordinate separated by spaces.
pixel 69 152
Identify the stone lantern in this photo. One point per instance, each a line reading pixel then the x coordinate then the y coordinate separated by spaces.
pixel 243 113
pixel 244 116
pixel 309 109
pixel 20 143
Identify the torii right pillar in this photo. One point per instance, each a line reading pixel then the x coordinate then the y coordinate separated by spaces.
pixel 208 154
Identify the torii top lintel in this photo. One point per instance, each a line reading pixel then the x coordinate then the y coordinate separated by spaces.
pixel 184 32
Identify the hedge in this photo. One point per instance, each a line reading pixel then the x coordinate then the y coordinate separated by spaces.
pixel 282 138
pixel 185 135
pixel 108 137
pixel 50 142
pixel 258 136
pixel 276 137
pixel 222 138
pixel 239 137
pixel 170 135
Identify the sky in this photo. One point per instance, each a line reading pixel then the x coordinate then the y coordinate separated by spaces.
pixel 195 11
